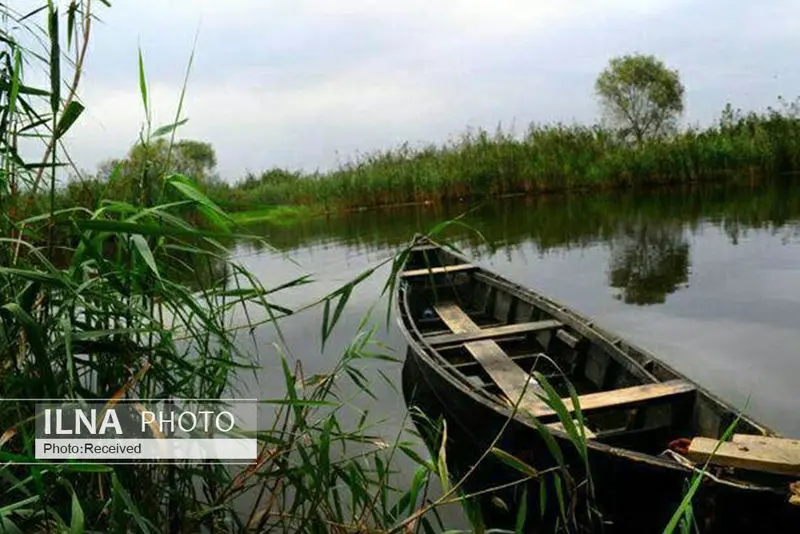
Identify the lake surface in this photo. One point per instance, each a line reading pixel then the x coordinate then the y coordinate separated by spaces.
pixel 706 278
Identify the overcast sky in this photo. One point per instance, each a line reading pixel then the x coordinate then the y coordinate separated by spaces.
pixel 309 83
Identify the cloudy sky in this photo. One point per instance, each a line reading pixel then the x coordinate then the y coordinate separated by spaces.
pixel 309 83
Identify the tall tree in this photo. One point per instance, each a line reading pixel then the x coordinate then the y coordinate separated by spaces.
pixel 640 96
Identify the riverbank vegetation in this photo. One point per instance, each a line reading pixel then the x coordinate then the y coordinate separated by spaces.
pixel 739 148
pixel 638 145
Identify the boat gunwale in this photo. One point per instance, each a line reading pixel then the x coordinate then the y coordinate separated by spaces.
pixel 424 350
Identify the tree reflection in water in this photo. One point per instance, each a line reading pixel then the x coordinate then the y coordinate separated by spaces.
pixel 648 261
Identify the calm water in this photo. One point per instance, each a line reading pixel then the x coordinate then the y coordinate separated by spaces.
pixel 708 279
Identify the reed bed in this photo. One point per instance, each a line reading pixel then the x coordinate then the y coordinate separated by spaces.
pixel 547 158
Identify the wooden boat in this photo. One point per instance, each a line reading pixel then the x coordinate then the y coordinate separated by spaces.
pixel 473 339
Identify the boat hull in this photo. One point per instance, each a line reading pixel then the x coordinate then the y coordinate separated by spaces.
pixel 630 495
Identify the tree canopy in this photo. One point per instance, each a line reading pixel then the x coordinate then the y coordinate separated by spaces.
pixel 147 165
pixel 640 96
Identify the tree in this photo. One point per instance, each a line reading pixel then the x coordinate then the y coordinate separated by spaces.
pixel 142 172
pixel 641 96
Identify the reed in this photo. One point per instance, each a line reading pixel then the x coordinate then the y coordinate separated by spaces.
pixel 547 158
pixel 140 297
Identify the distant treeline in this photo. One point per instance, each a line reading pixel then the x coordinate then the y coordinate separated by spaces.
pixel 547 158
pixel 738 148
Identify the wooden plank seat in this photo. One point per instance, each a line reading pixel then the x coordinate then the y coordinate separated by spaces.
pixel 512 379
pixel 528 356
pixel 430 271
pixel 757 453
pixel 509 377
pixel 616 398
pixel 499 331
pixel 571 340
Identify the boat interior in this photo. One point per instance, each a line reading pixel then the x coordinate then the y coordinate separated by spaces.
pixel 489 335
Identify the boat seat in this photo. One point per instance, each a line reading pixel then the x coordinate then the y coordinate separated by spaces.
pixel 512 380
pixel 498 331
pixel 571 340
pixel 623 397
pixel 430 271
pixel 746 451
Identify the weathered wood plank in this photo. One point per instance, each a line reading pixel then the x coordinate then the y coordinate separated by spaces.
pixel 769 455
pixel 567 338
pixel 766 441
pixel 794 491
pixel 455 318
pixel 439 270
pixel 499 331
pixel 514 358
pixel 621 397
pixel 509 377
pixel 560 426
pixel 512 379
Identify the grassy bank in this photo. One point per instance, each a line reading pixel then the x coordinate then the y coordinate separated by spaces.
pixel 739 147
pixel 276 215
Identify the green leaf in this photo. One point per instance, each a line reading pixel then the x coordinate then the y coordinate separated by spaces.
pixel 522 513
pixel 55 59
pixel 169 128
pixel 76 522
pixel 71 12
pixel 441 460
pixel 560 497
pixel 516 463
pixel 15 82
pixel 185 186
pixel 411 453
pixel 143 85
pixel 420 476
pixel 143 248
pixel 68 118
pixel 123 495
pixel 39 276
pixel 6 510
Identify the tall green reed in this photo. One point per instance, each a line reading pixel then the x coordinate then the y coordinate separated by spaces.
pixel 137 298
pixel 546 158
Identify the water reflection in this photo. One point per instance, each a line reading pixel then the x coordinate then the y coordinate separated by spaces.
pixel 648 262
pixel 646 234
pixel 732 328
